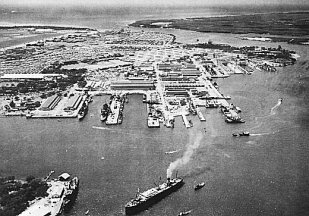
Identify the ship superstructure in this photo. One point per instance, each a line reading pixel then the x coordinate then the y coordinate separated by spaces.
pixel 149 197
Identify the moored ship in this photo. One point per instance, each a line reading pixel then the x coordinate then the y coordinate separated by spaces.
pixel 62 193
pixel 82 112
pixel 104 112
pixel 70 194
pixel 147 198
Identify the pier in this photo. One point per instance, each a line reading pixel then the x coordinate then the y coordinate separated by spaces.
pixel 62 110
pixel 200 115
pixel 185 121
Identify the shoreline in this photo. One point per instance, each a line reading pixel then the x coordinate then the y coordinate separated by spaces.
pixel 44 26
pixel 21 41
pixel 285 29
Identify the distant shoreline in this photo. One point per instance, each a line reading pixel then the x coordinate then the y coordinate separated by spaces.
pixel 54 27
pixel 17 41
pixel 292 24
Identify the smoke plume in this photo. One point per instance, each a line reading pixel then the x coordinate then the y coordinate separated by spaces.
pixel 192 145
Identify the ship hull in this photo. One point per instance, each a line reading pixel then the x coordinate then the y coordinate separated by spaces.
pixel 103 118
pixel 132 210
pixel 70 199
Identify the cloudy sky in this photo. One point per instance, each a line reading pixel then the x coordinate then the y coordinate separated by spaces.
pixel 151 2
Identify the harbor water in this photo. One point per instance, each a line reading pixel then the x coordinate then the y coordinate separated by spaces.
pixel 263 174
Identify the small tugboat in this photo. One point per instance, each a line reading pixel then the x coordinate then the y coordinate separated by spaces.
pixel 234 120
pixel 184 213
pixel 147 198
pixel 80 115
pixel 199 186
pixel 29 115
pixel 245 133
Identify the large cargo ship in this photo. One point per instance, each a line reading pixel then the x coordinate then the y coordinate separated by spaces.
pixel 147 198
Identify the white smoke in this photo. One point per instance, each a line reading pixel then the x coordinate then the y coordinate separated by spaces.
pixel 186 155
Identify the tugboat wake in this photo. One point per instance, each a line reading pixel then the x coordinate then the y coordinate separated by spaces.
pixel 273 110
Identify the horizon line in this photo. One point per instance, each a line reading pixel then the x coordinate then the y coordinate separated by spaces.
pixel 142 4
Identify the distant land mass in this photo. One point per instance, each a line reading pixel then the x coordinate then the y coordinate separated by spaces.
pixel 44 27
pixel 283 24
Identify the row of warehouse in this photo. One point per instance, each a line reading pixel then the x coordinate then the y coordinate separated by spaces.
pixel 51 102
pixel 133 85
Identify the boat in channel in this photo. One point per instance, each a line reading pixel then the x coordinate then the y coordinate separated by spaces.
pixel 184 213
pixel 151 196
pixel 244 133
pixel 234 120
pixel 199 186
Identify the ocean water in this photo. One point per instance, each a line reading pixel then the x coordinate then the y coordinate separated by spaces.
pixel 264 174
pixel 107 17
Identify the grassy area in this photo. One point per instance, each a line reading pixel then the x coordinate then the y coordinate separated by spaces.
pixel 15 195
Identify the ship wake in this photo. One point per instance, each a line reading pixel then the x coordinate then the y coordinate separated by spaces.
pixel 262 134
pixel 101 128
pixel 272 110
pixel 194 143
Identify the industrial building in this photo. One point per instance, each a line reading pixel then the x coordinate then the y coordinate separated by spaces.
pixel 133 85
pixel 50 103
pixel 73 102
pixel 18 77
pixel 190 72
pixel 177 92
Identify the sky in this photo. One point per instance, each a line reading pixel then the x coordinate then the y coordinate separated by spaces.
pixel 152 2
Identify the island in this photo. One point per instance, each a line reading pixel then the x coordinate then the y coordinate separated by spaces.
pixel 57 77
pixel 290 27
